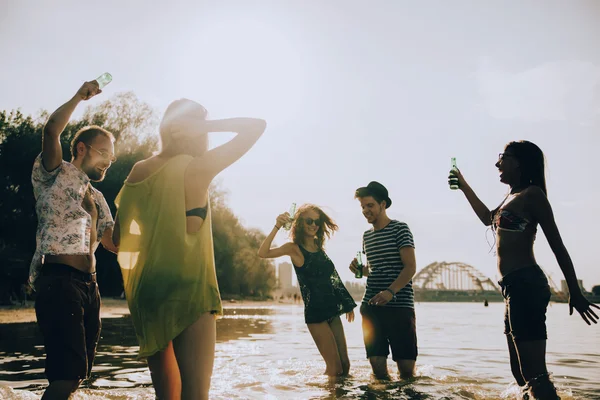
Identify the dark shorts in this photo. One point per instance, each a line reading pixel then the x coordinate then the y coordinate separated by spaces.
pixel 526 295
pixel 385 327
pixel 67 307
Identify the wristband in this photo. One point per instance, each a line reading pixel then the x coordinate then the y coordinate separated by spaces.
pixel 391 291
pixel 278 227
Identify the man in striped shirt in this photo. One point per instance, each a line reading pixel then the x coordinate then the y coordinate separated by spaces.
pixel 387 308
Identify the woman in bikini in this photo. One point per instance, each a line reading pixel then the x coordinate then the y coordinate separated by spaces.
pixel 166 254
pixel 524 284
pixel 325 296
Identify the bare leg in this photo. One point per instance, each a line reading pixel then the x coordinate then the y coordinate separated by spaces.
pixel 379 366
pixel 195 352
pixel 60 390
pixel 532 358
pixel 515 366
pixel 325 340
pixel 164 372
pixel 340 339
pixel 406 368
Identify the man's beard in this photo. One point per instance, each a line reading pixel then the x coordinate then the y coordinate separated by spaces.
pixel 92 172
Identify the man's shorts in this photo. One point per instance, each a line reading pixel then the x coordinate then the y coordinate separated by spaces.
pixel 526 295
pixel 389 327
pixel 67 307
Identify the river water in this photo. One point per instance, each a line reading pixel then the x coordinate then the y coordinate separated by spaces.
pixel 267 353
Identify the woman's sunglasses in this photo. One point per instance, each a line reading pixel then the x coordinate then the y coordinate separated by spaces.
pixel 310 221
pixel 502 156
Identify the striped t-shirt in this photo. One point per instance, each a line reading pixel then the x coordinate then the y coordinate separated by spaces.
pixel 382 248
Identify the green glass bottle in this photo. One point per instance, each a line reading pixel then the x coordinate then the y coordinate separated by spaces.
pixel 292 212
pixel 359 271
pixel 453 178
pixel 104 79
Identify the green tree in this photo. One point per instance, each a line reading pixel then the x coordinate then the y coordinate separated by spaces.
pixel 19 145
pixel 239 270
pixel 132 121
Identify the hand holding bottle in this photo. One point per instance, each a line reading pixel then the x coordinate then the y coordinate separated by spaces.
pixel 291 215
pixel 359 265
pixel 88 90
pixel 282 220
pixel 354 267
pixel 456 177
pixel 452 179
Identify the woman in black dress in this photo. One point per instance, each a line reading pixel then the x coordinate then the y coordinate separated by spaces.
pixel 325 297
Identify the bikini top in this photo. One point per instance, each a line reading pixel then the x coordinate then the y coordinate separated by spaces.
pixel 197 212
pixel 508 221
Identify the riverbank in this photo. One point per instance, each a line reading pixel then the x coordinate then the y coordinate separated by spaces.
pixel 116 308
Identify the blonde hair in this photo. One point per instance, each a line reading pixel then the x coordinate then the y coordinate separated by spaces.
pixel 180 121
pixel 327 226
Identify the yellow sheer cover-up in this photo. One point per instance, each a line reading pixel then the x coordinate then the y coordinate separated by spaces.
pixel 169 275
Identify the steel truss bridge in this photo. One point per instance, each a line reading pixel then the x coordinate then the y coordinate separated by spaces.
pixel 455 276
pixel 446 280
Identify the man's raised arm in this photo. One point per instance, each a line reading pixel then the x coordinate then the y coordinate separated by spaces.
pixel 51 149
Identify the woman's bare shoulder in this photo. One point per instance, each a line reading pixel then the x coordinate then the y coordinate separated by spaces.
pixel 143 169
pixel 535 194
pixel 292 246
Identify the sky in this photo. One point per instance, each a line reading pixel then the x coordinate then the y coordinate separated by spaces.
pixel 352 92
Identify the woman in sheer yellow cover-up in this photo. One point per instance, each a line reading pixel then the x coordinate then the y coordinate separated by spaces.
pixel 168 274
pixel 164 234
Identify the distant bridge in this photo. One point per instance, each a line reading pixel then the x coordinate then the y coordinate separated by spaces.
pixel 454 276
pixel 456 281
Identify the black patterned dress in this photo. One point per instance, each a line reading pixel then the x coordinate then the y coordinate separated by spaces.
pixel 323 292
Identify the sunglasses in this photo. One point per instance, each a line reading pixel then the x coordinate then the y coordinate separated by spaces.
pixel 310 221
pixel 502 156
pixel 104 154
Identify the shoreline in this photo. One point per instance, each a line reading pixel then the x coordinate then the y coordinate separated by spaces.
pixel 115 308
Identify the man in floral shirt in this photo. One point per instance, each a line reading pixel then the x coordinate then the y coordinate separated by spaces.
pixel 73 218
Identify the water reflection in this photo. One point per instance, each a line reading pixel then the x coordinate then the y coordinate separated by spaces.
pixel 243 323
pixel 116 364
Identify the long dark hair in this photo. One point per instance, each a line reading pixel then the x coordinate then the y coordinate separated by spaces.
pixel 327 226
pixel 531 163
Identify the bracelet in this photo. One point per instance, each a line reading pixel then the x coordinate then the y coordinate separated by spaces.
pixel 278 227
pixel 391 291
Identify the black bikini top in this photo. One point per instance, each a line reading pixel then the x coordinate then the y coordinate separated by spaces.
pixel 197 212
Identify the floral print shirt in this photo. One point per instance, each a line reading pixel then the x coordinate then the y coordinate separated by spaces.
pixel 64 226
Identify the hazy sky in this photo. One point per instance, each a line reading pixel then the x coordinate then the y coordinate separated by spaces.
pixel 352 92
